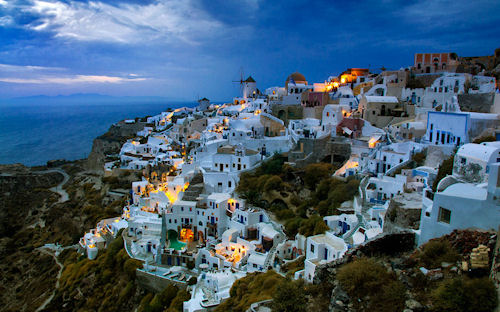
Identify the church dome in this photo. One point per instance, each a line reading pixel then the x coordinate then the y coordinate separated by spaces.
pixel 297 77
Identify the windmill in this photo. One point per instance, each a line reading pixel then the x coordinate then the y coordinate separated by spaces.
pixel 241 81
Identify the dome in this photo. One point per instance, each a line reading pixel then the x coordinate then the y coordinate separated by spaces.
pixel 297 77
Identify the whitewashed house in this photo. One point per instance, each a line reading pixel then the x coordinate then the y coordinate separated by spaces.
pixel 322 248
pixel 462 206
pixel 472 161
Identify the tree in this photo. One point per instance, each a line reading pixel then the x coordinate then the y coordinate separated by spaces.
pixel 446 168
pixel 289 297
pixel 315 173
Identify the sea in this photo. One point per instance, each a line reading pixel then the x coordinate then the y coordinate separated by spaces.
pixel 34 132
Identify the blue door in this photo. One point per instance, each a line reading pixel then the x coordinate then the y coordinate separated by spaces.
pixel 212 220
pixel 261 218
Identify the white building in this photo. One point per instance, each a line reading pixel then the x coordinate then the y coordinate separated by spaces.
pixel 462 206
pixel 382 188
pixel 457 128
pixel 472 161
pixel 322 249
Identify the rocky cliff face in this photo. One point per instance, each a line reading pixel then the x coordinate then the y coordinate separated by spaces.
pixel 111 143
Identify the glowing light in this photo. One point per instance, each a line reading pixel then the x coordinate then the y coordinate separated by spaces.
pixel 186 235
pixel 342 80
pixel 372 142
pixel 336 84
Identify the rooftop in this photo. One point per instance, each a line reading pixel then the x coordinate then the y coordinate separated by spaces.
pixel 466 190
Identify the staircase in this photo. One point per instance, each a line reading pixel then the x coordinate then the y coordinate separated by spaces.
pixel 195 188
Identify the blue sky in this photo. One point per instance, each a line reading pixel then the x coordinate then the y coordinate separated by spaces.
pixel 185 49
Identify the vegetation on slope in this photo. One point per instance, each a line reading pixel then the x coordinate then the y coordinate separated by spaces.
pixel 252 288
pixel 446 168
pixel 297 197
pixel 371 287
pixel 109 284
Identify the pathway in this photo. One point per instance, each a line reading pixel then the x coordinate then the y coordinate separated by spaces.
pixel 61 267
pixel 58 188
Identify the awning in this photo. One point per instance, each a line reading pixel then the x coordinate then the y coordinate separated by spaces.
pixel 347 130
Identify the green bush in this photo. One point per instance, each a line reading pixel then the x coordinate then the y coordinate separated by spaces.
pixel 252 288
pixel 314 173
pixel 446 168
pixel 176 305
pixel 313 226
pixel 371 287
pixel 273 183
pixel 463 295
pixel 289 296
pixel 130 266
pixel 435 252
pixel 285 214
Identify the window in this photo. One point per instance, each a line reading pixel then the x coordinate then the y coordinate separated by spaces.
pixel 312 248
pixel 229 184
pixel 444 215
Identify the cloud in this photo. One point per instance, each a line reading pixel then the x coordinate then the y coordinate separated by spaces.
pixel 29 74
pixel 77 79
pixel 123 23
pixel 24 68
pixel 6 20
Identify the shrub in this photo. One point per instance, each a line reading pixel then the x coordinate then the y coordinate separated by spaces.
pixel 314 173
pixel 419 158
pixel 292 226
pixel 435 252
pixel 445 169
pixel 464 295
pixel 313 226
pixel 252 288
pixel 273 183
pixel 176 304
pixel 289 296
pixel 130 266
pixel 365 277
pixel 285 214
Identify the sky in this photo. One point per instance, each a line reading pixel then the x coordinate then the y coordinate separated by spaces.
pixel 188 49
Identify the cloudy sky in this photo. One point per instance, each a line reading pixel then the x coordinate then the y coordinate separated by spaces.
pixel 184 49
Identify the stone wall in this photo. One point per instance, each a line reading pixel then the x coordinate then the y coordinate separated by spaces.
pixel 387 244
pixel 154 283
pixel 480 103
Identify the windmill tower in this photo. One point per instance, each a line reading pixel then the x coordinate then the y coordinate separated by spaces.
pixel 248 87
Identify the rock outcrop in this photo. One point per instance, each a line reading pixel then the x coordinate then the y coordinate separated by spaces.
pixel 111 143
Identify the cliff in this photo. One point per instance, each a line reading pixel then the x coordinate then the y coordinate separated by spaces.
pixel 111 142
